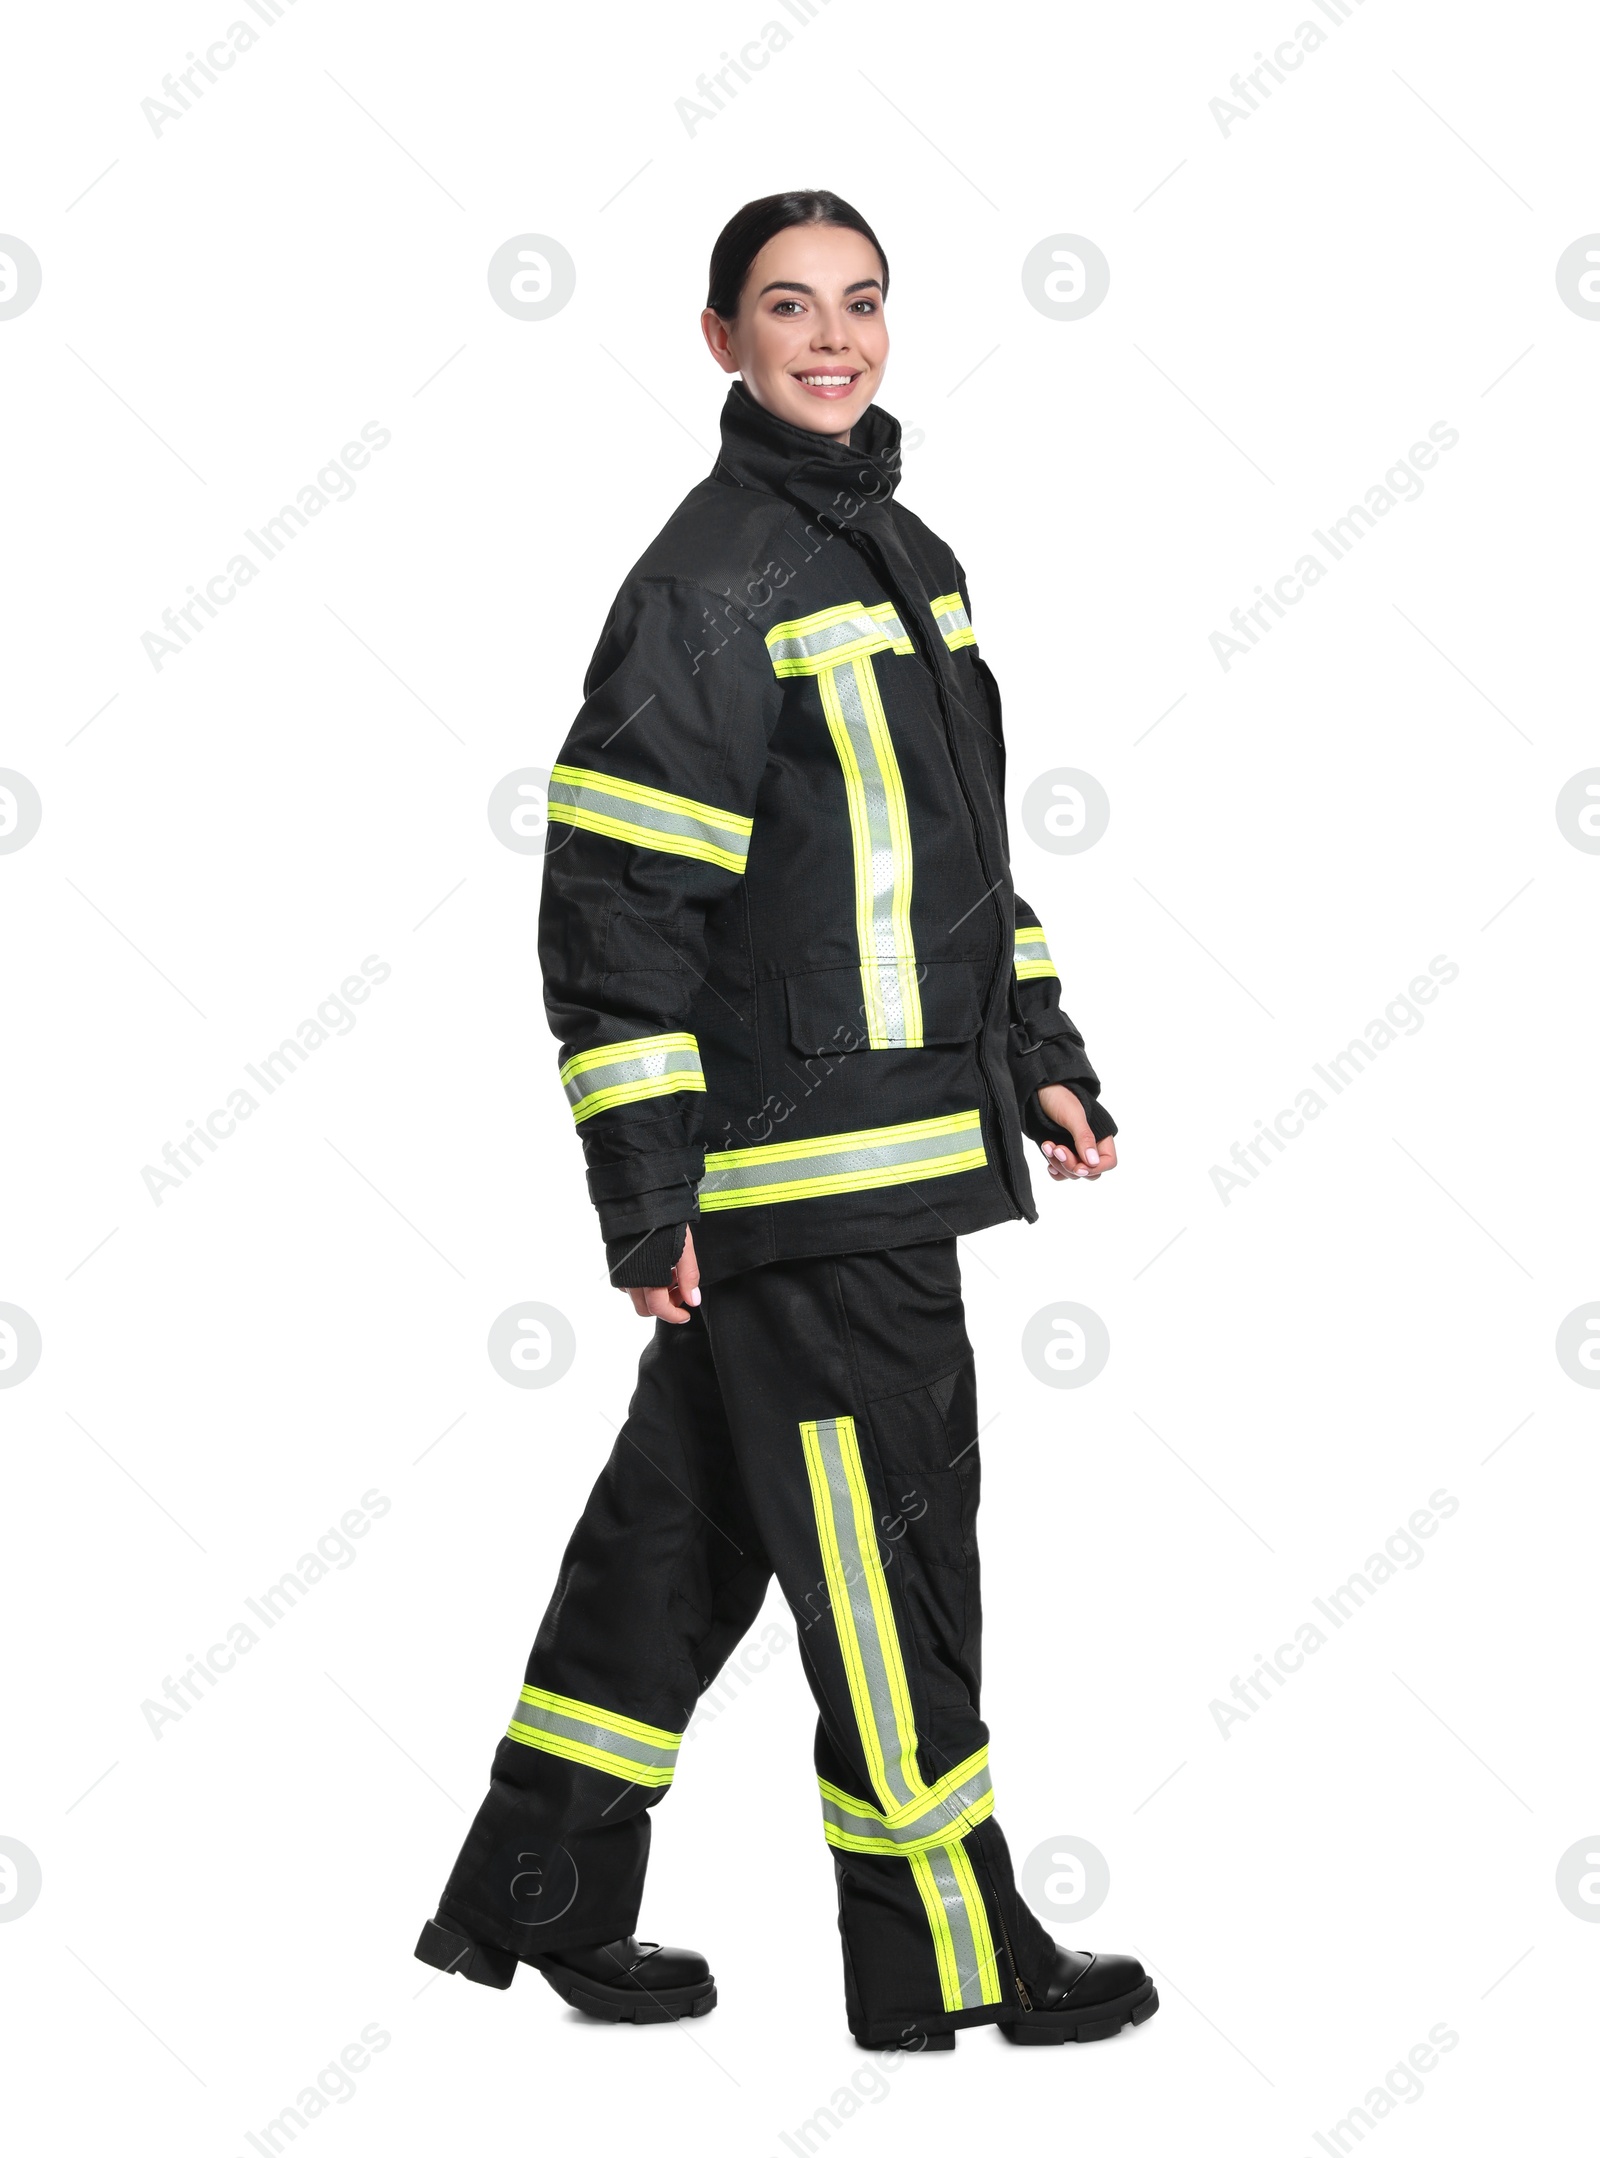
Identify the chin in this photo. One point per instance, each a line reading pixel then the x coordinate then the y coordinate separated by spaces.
pixel 823 418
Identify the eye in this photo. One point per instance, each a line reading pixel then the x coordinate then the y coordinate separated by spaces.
pixel 779 306
pixel 869 306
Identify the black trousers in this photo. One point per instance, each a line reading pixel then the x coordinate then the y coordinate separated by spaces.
pixel 816 1419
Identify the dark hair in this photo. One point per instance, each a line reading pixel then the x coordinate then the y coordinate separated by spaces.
pixel 748 230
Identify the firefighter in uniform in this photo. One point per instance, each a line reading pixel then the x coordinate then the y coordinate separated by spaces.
pixel 804 1026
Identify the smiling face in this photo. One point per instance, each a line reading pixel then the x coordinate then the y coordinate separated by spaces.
pixel 809 339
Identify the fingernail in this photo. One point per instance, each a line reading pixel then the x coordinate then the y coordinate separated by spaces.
pixel 694 1296
pixel 1094 1157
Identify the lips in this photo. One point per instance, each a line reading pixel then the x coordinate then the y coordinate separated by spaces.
pixel 832 382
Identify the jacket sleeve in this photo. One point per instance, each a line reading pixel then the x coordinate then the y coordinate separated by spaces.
pixel 1044 1048
pixel 1047 1049
pixel 650 812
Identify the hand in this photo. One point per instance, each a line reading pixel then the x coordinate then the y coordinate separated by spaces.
pixel 672 1304
pixel 1087 1156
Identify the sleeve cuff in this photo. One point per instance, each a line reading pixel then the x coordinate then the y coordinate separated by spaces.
pixel 1038 1126
pixel 646 1262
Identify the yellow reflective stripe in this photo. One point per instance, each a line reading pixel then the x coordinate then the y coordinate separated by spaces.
pixel 939 1924
pixel 815 642
pixel 843 1161
pixel 605 1719
pixel 841 1839
pixel 1032 959
pixel 647 816
pixel 595 1737
pixel 988 1970
pixel 610 1764
pixel 950 612
pixel 870 1846
pixel 858 1595
pixel 880 1695
pixel 837 645
pixel 951 1809
pixel 880 833
pixel 926 1799
pixel 878 1589
pixel 634 1070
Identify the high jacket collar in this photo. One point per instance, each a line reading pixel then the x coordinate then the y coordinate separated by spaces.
pixel 822 477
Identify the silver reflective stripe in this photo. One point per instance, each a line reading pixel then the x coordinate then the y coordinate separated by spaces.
pixel 955 625
pixel 937 1821
pixel 882 842
pixel 648 815
pixel 798 647
pixel 631 1071
pixel 973 1963
pixel 1032 956
pixel 853 1161
pixel 862 1615
pixel 536 1717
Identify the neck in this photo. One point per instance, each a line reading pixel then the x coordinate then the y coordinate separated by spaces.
pixel 816 471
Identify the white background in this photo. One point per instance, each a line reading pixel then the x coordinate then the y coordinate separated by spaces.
pixel 1292 304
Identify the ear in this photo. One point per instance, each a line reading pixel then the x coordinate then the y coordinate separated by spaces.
pixel 715 331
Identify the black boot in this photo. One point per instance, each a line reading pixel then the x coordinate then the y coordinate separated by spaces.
pixel 625 1982
pixel 1085 1996
pixel 631 1981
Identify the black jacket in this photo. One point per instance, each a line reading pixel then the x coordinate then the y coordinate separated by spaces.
pixel 797 998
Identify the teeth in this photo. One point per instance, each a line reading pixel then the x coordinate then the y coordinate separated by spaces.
pixel 828 382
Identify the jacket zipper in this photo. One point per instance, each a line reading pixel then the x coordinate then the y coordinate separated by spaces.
pixel 1000 983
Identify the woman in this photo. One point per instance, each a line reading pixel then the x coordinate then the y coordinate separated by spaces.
pixel 804 1022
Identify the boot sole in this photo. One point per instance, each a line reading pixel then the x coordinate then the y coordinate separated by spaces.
pixel 1059 2027
pixel 464 1958
pixel 626 2004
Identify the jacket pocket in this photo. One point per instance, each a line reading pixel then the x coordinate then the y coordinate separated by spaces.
pixel 827 1009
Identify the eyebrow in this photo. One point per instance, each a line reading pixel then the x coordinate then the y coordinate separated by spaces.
pixel 786 284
